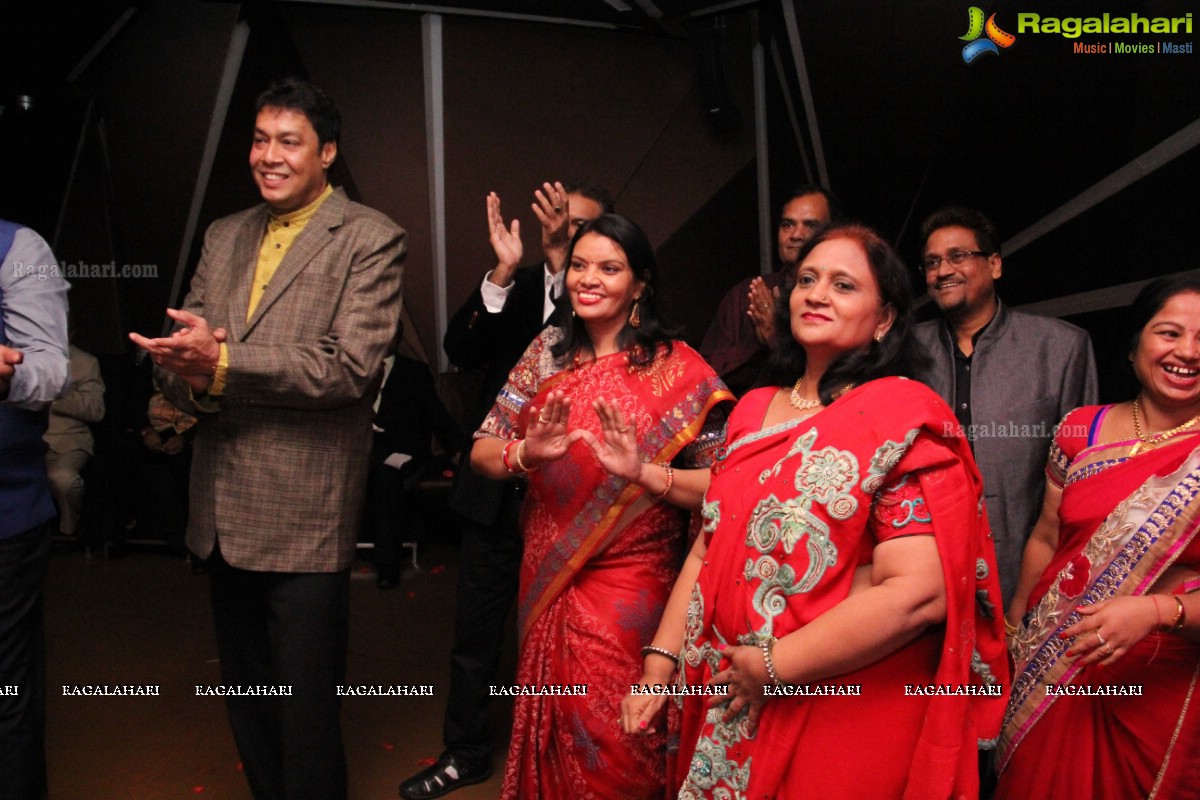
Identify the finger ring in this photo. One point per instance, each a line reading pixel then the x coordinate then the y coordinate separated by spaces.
pixel 542 419
pixel 1098 636
pixel 558 209
pixel 1108 651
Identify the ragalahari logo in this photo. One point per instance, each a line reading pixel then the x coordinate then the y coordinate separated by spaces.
pixel 976 27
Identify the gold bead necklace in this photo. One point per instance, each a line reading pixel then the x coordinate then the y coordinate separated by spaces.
pixel 1150 440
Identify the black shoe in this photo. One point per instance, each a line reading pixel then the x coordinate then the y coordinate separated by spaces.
pixel 448 774
pixel 387 576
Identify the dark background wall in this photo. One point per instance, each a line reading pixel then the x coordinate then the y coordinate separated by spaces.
pixel 905 127
pixel 524 102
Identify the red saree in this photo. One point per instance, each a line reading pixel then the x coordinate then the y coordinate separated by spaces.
pixel 1123 523
pixel 792 511
pixel 600 560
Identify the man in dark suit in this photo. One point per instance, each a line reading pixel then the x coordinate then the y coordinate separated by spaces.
pixel 278 351
pixel 489 333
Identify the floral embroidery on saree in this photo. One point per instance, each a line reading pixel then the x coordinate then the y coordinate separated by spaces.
pixel 886 457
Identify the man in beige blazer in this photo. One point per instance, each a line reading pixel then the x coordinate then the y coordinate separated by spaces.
pixel 278 350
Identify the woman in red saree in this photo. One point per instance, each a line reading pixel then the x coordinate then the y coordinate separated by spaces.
pixel 1104 701
pixel 844 591
pixel 601 551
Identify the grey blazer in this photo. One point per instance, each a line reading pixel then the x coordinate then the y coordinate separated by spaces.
pixel 279 471
pixel 1026 374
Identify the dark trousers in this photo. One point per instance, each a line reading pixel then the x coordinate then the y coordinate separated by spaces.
pixel 392 509
pixel 489 571
pixel 23 560
pixel 285 629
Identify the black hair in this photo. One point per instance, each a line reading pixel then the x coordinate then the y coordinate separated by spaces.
pixel 1154 295
pixel 897 354
pixel 984 229
pixel 642 342
pixel 592 191
pixel 800 190
pixel 297 95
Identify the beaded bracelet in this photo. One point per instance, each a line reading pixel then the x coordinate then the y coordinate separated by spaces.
pixel 766 645
pixel 659 651
pixel 520 461
pixel 670 480
pixel 504 457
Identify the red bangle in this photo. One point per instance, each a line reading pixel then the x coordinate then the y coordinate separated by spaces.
pixel 504 457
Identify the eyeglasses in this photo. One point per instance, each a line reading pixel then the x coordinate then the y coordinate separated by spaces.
pixel 955 257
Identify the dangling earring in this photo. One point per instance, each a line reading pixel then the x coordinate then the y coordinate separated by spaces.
pixel 635 317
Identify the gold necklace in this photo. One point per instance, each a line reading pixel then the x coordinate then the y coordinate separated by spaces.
pixel 1152 439
pixel 799 402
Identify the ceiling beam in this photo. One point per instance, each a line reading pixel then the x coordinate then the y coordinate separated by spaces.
pixel 810 110
pixel 421 8
pixel 1162 153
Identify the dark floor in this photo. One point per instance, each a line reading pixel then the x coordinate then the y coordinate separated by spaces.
pixel 144 619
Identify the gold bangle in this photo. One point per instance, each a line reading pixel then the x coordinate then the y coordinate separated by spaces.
pixel 1177 623
pixel 521 461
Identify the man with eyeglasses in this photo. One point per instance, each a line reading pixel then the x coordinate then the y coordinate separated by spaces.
pixel 1009 376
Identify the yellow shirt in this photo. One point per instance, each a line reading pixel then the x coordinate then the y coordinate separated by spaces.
pixel 281 232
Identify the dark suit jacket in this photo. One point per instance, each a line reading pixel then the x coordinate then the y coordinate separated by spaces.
pixel 411 413
pixel 1027 372
pixel 478 340
pixel 279 470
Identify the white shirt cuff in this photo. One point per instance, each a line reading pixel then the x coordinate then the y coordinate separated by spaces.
pixel 494 297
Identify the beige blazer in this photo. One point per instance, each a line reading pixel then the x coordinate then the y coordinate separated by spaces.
pixel 279 471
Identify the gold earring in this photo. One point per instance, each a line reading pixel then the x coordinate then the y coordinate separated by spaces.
pixel 635 317
pixel 879 336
